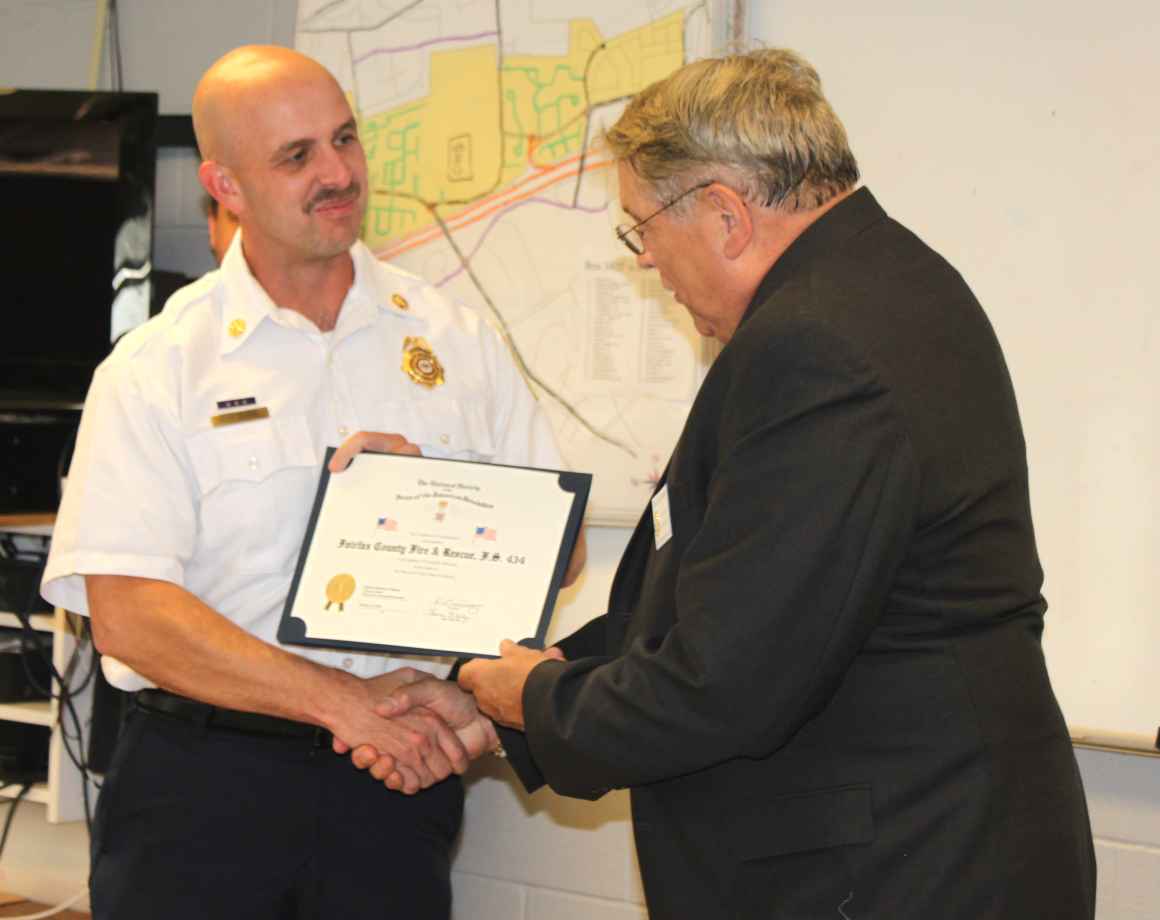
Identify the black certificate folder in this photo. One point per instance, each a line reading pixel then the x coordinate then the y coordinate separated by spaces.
pixel 424 556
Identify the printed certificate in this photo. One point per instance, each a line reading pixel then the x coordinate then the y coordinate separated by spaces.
pixel 433 557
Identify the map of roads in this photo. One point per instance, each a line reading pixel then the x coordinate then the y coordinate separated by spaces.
pixel 482 122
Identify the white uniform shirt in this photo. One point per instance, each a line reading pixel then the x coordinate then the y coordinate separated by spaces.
pixel 157 492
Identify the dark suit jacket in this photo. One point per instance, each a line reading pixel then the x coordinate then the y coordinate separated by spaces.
pixel 826 691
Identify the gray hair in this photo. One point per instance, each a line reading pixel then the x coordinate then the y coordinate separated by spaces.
pixel 757 122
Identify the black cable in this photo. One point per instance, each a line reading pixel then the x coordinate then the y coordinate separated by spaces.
pixel 65 706
pixel 115 43
pixel 27 645
pixel 109 48
pixel 85 639
pixel 11 554
pixel 31 640
pixel 83 642
pixel 116 65
pixel 12 814
pixel 77 757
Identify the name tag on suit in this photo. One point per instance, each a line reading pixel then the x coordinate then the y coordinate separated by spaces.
pixel 662 520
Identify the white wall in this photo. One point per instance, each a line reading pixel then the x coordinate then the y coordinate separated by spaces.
pixel 542 857
pixel 538 857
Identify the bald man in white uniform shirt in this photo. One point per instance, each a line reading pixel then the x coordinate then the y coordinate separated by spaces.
pixel 178 535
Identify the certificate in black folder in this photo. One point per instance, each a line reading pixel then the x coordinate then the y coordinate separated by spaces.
pixel 433 557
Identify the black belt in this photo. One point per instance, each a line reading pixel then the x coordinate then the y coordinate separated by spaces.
pixel 162 702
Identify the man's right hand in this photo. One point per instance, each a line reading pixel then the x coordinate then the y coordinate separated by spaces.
pixel 434 698
pixel 171 637
pixel 419 747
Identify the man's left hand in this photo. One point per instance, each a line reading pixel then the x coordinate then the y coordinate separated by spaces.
pixel 378 442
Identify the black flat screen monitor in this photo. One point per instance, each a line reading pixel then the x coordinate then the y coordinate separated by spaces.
pixel 77 182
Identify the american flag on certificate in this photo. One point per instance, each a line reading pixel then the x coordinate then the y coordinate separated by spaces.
pixel 484 533
pixel 386 523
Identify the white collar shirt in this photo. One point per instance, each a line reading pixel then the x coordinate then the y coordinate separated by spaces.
pixel 155 490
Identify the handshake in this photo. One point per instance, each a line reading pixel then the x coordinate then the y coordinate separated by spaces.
pixel 415 730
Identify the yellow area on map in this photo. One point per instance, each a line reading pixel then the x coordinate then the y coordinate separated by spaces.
pixel 447 147
pixel 460 141
pixel 442 148
pixel 544 96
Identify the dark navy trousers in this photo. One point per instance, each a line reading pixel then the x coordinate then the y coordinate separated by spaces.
pixel 193 823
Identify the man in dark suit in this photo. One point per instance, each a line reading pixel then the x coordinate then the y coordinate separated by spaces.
pixel 821 672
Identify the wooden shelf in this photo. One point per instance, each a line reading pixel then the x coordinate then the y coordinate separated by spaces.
pixel 38 793
pixel 63 795
pixel 8 521
pixel 34 712
pixel 41 622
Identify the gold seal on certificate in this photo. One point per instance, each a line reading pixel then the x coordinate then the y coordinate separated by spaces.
pixel 433 557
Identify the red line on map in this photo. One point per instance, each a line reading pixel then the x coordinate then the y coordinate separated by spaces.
pixel 492 196
pixel 498 201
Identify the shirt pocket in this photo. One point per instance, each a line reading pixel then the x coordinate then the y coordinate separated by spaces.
pixel 448 429
pixel 256 481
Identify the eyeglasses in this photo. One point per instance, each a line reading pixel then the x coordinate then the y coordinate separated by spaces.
pixel 633 238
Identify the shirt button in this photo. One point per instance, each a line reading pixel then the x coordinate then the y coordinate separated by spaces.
pixel 343 430
pixel 444 439
pixel 348 663
pixel 254 463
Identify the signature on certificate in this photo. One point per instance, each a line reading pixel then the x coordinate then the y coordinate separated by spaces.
pixel 454 610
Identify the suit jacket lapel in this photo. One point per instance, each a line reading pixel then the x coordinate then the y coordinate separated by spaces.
pixel 626 584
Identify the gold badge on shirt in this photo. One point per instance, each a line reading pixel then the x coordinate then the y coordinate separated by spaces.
pixel 420 363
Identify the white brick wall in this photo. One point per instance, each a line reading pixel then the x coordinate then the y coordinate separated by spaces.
pixel 540 856
pixel 1123 794
pixel 1129 881
pixel 180 243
